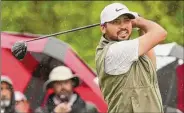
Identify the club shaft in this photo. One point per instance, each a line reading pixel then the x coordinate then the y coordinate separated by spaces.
pixel 64 32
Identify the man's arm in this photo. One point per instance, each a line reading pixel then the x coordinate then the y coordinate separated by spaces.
pixel 122 54
pixel 150 53
pixel 154 34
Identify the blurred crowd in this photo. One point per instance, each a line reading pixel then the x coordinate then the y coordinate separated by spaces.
pixel 63 99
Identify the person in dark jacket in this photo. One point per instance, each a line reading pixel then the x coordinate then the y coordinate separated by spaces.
pixel 64 99
pixel 7 95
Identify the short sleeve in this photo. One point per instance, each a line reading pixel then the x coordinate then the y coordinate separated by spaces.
pixel 120 56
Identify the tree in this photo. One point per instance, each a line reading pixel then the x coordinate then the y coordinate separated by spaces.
pixel 46 17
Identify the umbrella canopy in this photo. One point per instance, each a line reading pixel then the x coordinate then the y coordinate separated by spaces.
pixel 170 49
pixel 45 54
pixel 10 67
pixel 169 57
pixel 180 84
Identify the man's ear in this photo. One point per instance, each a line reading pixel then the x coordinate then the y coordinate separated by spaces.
pixel 103 29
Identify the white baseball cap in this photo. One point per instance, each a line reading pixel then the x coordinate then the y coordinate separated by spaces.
pixel 114 10
pixel 19 96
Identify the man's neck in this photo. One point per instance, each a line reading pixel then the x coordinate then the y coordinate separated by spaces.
pixel 106 37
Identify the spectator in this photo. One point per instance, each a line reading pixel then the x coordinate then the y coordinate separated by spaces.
pixel 22 104
pixel 64 99
pixel 7 95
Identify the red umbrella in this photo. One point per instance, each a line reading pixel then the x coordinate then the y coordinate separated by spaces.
pixel 12 68
pixel 180 83
pixel 43 55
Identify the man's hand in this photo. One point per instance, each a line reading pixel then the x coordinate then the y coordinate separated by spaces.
pixel 154 34
pixel 62 108
pixel 134 22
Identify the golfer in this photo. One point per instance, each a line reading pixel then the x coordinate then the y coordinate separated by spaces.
pixel 126 67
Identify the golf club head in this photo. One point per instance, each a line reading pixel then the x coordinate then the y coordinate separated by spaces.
pixel 19 50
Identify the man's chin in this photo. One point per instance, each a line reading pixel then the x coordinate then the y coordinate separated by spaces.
pixel 122 39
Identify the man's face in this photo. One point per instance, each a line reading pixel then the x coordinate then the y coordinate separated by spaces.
pixel 63 88
pixel 22 106
pixel 118 29
pixel 5 94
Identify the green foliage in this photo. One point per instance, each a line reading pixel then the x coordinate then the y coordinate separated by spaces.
pixel 46 17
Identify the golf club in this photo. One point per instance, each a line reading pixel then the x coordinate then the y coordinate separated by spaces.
pixel 19 49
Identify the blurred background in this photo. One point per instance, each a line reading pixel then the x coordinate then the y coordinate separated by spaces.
pixel 46 17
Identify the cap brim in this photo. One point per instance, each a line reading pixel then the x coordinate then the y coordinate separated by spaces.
pixel 130 15
pixel 7 81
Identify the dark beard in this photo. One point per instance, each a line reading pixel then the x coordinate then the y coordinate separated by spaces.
pixel 117 39
pixel 64 96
